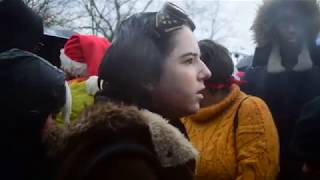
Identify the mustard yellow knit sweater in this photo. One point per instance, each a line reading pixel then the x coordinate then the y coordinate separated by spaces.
pixel 250 154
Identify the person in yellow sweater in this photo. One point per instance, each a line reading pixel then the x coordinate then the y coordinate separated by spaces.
pixel 234 132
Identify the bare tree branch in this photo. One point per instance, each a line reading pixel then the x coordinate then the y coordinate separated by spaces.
pixel 214 20
pixel 147 5
pixel 50 10
pixel 108 14
pixel 100 15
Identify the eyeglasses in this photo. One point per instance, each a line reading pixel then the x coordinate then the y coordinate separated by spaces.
pixel 170 18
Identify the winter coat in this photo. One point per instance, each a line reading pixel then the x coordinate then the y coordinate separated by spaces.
pixel 31 90
pixel 115 96
pixel 107 130
pixel 285 91
pixel 306 144
pixel 236 138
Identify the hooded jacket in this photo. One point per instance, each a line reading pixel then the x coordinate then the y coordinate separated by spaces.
pixel 284 91
pixel 31 90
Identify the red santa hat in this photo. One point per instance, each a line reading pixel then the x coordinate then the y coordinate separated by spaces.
pixel 82 54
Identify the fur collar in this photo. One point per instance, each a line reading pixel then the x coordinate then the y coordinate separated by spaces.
pixel 274 63
pixel 109 116
pixel 263 23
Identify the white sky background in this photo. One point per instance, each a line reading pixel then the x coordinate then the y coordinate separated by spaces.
pixel 234 20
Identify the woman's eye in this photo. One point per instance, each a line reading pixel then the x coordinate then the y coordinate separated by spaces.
pixel 189 61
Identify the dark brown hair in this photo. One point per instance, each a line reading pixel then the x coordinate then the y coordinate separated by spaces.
pixel 134 60
pixel 217 59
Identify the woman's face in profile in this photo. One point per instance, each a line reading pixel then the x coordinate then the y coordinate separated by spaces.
pixel 183 73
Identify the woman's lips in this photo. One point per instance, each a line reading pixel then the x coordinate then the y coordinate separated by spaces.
pixel 200 96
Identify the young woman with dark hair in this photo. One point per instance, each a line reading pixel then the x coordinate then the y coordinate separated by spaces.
pixel 152 68
pixel 154 63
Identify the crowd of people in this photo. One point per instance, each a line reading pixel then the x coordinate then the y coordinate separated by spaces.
pixel 155 103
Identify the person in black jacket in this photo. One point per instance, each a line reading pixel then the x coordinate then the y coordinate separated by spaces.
pixel 305 144
pixel 285 71
pixel 32 92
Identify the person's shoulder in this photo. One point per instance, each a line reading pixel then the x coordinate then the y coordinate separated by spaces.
pixel 16 53
pixel 253 101
pixel 261 55
pixel 26 58
pixel 315 54
pixel 13 54
pixel 254 104
pixel 254 115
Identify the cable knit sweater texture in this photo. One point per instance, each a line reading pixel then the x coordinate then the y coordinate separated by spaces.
pixel 249 151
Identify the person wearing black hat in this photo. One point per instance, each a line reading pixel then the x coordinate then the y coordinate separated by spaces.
pixel 52 42
pixel 20 26
pixel 305 144
pixel 32 92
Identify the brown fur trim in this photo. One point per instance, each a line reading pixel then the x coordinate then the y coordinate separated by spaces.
pixel 103 119
pixel 96 117
pixel 263 23
pixel 169 140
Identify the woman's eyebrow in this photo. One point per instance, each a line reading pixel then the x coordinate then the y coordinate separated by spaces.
pixel 189 54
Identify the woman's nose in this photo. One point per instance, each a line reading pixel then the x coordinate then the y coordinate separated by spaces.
pixel 205 73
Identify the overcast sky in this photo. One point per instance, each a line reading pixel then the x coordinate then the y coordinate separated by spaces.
pixel 235 18
pixel 242 14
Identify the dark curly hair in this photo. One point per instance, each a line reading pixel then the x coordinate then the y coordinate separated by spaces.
pixel 217 59
pixel 268 13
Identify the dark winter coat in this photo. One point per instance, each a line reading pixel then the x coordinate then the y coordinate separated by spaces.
pixel 306 144
pixel 284 91
pixel 31 89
